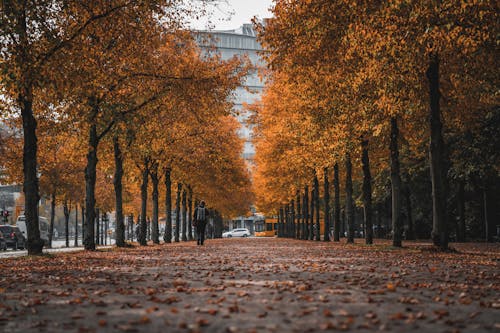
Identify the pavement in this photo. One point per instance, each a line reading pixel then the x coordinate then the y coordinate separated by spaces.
pixel 58 246
pixel 254 285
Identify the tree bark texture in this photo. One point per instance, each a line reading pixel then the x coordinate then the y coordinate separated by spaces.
pixel 317 235
pixel 76 225
pixel 280 222
pixel 34 243
pixel 155 231
pixel 310 230
pixel 167 236
pixel 178 212
pixel 298 217
pixel 190 215
pixel 436 156
pixel 117 183
pixel 184 216
pixel 67 210
pixel 305 219
pixel 83 222
pixel 397 221
pixel 349 205
pixel 326 184
pixel 52 217
pixel 90 179
pixel 143 227
pixel 97 225
pixel 367 193
pixel 336 211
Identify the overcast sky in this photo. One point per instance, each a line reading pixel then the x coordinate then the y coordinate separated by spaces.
pixel 242 12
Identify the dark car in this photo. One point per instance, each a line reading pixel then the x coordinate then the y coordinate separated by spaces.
pixel 3 243
pixel 13 237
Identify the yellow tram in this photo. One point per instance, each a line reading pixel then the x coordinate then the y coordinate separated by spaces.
pixel 266 228
pixel 269 227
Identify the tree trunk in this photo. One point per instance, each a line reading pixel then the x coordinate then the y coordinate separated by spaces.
pixel 299 216
pixel 461 212
pixel 280 222
pixel 67 211
pixel 292 219
pixel 184 216
pixel 436 156
pixel 190 215
pixel 90 179
pixel 83 222
pixel 367 193
pixel 326 184
pixel 411 228
pixel 167 236
pixel 144 201
pixel 310 231
pixel 336 216
pixel 97 224
pixel 117 182
pixel 178 212
pixel 397 221
pixel 305 219
pixel 155 232
pixel 316 204
pixel 52 217
pixel 349 206
pixel 76 225
pixel 34 243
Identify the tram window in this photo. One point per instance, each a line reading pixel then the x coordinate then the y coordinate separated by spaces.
pixel 269 227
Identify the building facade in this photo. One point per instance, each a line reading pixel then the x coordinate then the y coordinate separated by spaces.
pixel 239 42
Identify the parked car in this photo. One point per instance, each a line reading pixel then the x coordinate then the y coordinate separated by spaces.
pixel 13 237
pixel 3 243
pixel 43 226
pixel 241 232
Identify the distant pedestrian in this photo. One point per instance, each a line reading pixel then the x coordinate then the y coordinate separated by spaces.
pixel 200 221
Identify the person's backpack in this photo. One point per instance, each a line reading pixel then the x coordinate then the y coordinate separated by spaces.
pixel 200 213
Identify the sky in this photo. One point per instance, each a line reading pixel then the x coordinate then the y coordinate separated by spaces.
pixel 231 14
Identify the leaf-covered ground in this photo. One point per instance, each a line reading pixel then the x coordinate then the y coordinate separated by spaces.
pixel 255 285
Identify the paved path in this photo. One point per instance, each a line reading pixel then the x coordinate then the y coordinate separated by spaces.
pixel 254 285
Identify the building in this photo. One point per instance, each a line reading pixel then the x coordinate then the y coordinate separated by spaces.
pixel 239 42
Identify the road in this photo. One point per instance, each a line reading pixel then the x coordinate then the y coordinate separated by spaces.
pixel 254 285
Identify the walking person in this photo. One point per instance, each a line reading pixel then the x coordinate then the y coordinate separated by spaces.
pixel 200 221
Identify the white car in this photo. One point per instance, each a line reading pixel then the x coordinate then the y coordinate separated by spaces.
pixel 241 232
pixel 43 225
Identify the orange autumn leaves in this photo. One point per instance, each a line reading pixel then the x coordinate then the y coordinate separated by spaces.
pixel 340 70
